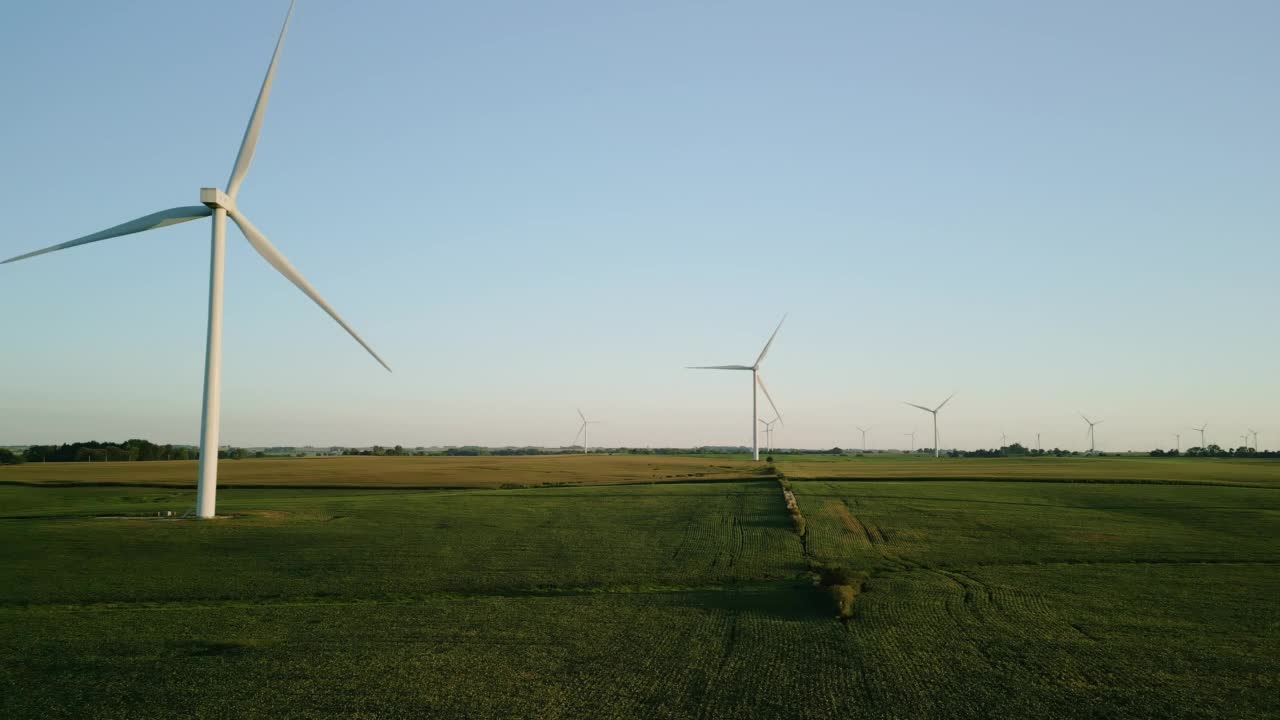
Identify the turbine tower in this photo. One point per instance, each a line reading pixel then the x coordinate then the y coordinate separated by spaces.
pixel 1090 431
pixel 220 205
pixel 582 432
pixel 1178 438
pixel 1004 439
pixel 1201 431
pixel 912 435
pixel 1255 438
pixel 937 452
pixel 864 431
pixel 768 432
pixel 756 380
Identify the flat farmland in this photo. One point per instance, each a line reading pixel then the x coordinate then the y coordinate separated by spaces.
pixel 1108 469
pixel 685 599
pixel 358 471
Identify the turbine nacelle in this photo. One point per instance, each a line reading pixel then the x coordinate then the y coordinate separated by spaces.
pixel 215 198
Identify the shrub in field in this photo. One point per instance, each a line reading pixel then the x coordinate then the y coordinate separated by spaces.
pixel 844 596
pixel 843 583
pixel 830 575
pixel 797 522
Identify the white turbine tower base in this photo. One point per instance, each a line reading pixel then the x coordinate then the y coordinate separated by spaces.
pixel 756 380
pixel 219 206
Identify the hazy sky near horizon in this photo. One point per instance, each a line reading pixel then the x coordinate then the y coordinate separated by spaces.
pixel 532 207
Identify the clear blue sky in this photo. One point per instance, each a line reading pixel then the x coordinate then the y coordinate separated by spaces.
pixel 528 207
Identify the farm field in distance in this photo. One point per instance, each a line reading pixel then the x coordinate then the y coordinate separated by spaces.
pixel 635 587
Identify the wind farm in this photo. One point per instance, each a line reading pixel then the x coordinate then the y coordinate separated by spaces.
pixel 213 506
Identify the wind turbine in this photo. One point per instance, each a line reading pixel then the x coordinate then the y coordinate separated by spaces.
pixel 1004 439
pixel 1090 433
pixel 937 452
pixel 912 435
pixel 220 205
pixel 768 432
pixel 864 435
pixel 1255 438
pixel 1178 438
pixel 755 380
pixel 1201 431
pixel 582 431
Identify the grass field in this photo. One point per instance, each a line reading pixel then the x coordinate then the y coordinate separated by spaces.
pixel 658 599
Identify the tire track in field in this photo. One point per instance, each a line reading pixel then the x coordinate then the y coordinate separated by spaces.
pixel 874 537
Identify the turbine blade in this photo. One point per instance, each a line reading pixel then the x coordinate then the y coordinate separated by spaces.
pixel 760 382
pixel 928 410
pixel 250 141
pixel 584 417
pixel 765 351
pixel 944 402
pixel 281 264
pixel 719 367
pixel 575 437
pixel 164 218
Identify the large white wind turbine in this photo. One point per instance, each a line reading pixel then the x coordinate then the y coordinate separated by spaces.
pixel 937 452
pixel 220 205
pixel 756 380
pixel 1090 431
pixel 582 432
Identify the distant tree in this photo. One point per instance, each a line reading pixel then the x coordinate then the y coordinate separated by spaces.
pixel 9 457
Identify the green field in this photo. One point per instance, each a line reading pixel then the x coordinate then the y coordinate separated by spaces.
pixel 365 587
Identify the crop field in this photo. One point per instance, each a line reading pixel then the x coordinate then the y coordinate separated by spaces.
pixel 386 471
pixel 1110 469
pixel 639 596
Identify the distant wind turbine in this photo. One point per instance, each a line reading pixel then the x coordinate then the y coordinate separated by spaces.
pixel 768 432
pixel 756 380
pixel 1004 439
pixel 1201 431
pixel 1178 438
pixel 220 205
pixel 864 430
pixel 582 432
pixel 937 451
pixel 1090 430
pixel 912 435
pixel 1255 437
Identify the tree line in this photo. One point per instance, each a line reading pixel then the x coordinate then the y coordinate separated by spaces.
pixel 134 450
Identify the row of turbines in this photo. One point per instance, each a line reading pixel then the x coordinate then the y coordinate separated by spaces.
pixel 758 382
pixel 1089 433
